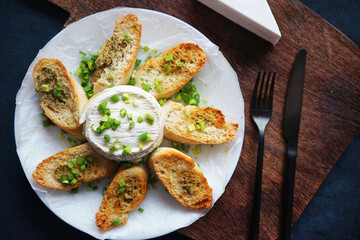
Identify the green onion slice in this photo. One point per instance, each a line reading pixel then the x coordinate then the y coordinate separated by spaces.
pixel 168 57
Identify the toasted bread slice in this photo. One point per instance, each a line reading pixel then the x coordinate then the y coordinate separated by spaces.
pixel 118 55
pixel 62 98
pixel 50 170
pixel 117 205
pixel 182 124
pixel 171 75
pixel 181 177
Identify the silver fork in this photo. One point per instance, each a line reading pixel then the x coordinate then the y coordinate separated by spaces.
pixel 261 108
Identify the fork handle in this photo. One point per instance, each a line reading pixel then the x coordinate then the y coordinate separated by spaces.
pixel 255 217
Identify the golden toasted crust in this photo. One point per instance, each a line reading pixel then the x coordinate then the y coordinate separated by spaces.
pixel 193 59
pixel 116 205
pixel 178 117
pixel 118 55
pixel 65 110
pixel 181 177
pixel 48 172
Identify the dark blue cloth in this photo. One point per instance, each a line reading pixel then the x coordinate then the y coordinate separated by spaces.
pixel 334 211
pixel 26 26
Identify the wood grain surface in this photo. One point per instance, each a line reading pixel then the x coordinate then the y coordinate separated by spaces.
pixel 330 114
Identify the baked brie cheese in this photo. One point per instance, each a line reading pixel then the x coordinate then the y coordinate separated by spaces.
pixel 123 123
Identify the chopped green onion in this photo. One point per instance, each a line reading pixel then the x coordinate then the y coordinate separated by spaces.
pixel 196 150
pixel 57 94
pixel 71 177
pixel 72 142
pixel 89 159
pixel 63 178
pixel 157 85
pixel 126 165
pixel 134 102
pixel 126 150
pixel 75 172
pixel 192 102
pixel 132 82
pixel 140 145
pixel 71 164
pixel 87 89
pixel 147 87
pixel 148 58
pixel 123 112
pixel 116 222
pixel 165 66
pixel 73 182
pixel 122 190
pixel 125 96
pixel 191 127
pixel 134 25
pixel 143 136
pixel 92 187
pixel 180 64
pixel 205 100
pixel 122 182
pixel 177 97
pixel 131 124
pixel 46 123
pixel 162 101
pixel 81 52
pixel 168 72
pixel 107 138
pixel 114 98
pixel 103 108
pixel 202 125
pixel 111 75
pixel 111 85
pixel 140 119
pixel 137 62
pixel 168 57
pixel 141 210
pixel 82 167
pixel 127 37
pixel 45 88
pixel 143 159
pixel 149 69
pixel 129 116
pixel 187 116
pixel 115 124
pixel 149 117
pixel 152 181
pixel 114 147
pixel 80 160
pixel 174 145
pixel 146 48
pixel 59 86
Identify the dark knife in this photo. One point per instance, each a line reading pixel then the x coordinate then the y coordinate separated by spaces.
pixel 293 105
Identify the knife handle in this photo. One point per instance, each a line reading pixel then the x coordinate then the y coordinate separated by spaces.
pixel 255 217
pixel 288 191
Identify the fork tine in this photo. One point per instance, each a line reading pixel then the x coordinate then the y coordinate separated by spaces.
pixel 254 95
pixel 272 90
pixel 260 100
pixel 265 101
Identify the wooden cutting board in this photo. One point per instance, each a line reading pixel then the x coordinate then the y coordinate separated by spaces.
pixel 331 106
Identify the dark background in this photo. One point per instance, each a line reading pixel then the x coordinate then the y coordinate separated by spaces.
pixel 26 26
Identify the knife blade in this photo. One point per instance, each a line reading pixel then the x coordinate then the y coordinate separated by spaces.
pixel 292 118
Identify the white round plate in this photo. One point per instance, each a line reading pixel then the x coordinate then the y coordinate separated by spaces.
pixel 216 81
